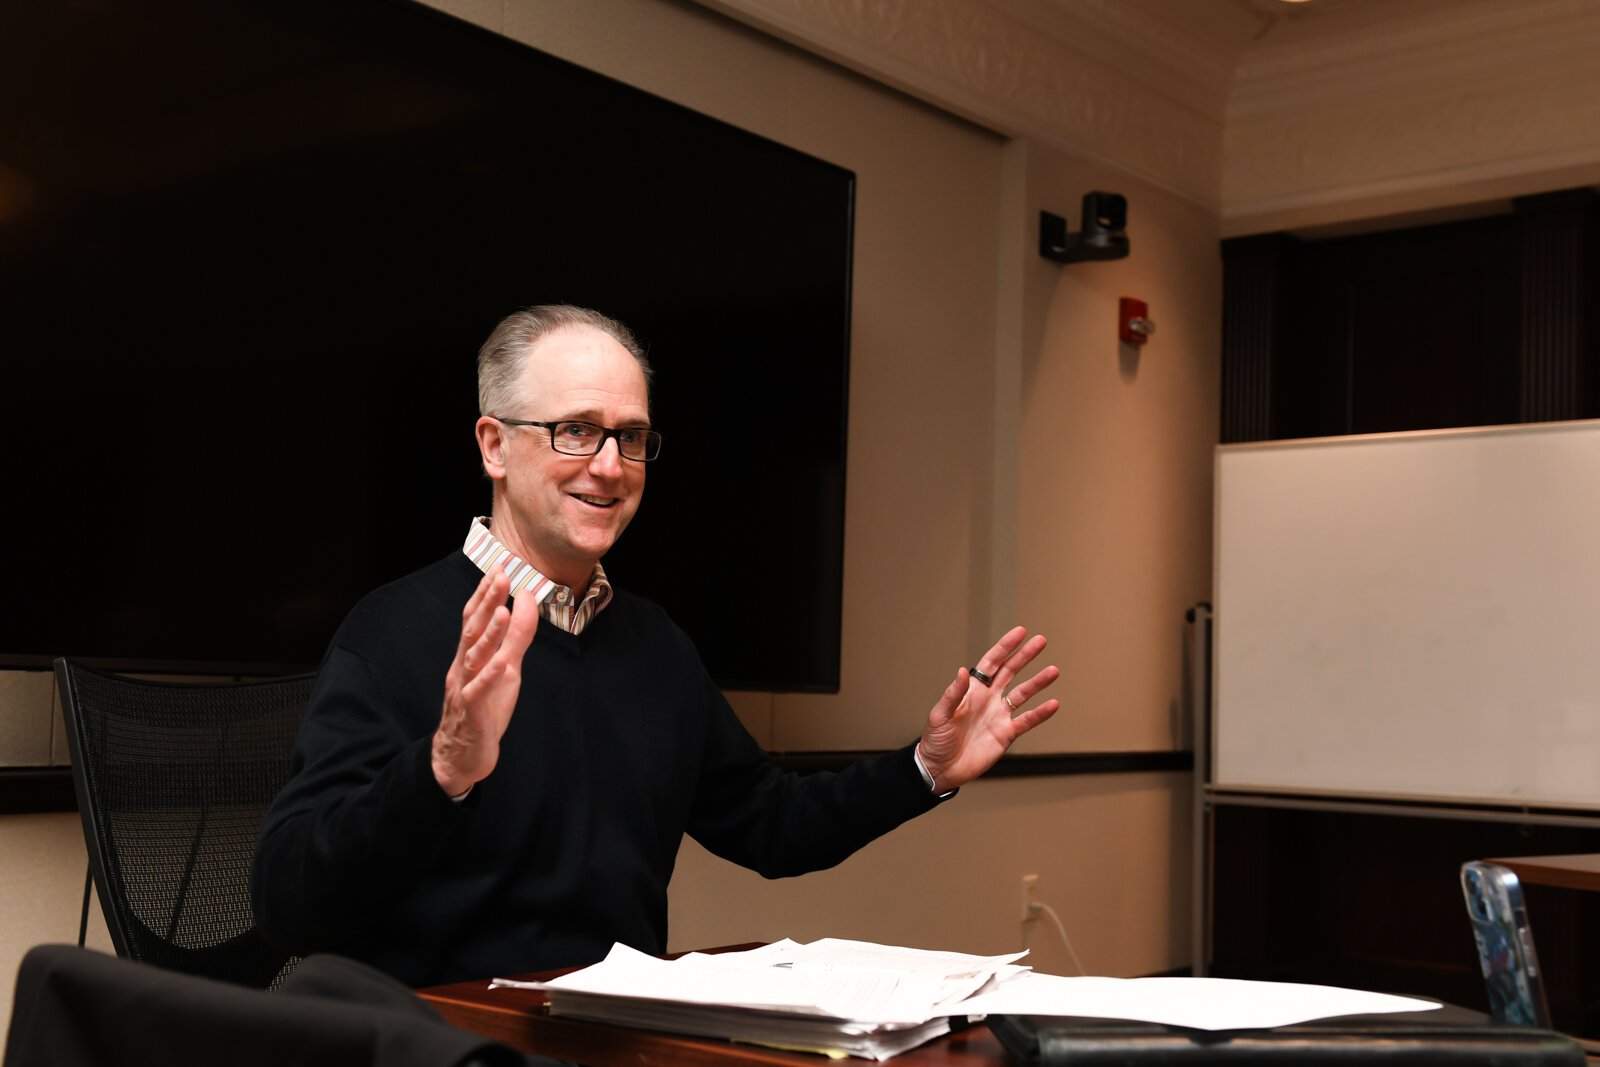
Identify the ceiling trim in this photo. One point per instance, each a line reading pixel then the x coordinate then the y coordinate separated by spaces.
pixel 1346 106
pixel 1024 70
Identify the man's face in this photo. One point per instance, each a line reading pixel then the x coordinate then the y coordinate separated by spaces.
pixel 561 512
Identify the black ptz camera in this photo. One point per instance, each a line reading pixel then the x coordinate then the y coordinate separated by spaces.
pixel 1105 216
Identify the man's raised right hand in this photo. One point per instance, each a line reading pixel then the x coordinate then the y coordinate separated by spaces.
pixel 480 689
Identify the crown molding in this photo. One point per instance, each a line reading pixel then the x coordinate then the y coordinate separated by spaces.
pixel 1496 97
pixel 1096 79
pixel 1253 111
pixel 1189 65
pixel 1477 44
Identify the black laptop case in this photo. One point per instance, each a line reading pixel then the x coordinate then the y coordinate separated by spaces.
pixel 1446 1036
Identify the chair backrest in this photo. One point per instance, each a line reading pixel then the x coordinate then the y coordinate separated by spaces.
pixel 173 781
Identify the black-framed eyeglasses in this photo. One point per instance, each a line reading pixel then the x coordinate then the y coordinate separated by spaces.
pixel 573 438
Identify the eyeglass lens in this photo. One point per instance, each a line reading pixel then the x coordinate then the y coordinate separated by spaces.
pixel 585 439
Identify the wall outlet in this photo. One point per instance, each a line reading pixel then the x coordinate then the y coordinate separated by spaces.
pixel 1030 895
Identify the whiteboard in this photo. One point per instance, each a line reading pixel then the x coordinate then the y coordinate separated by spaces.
pixel 1411 615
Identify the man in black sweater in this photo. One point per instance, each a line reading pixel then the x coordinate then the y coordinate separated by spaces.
pixel 536 818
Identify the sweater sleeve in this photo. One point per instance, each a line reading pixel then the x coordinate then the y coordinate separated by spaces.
pixel 361 820
pixel 779 823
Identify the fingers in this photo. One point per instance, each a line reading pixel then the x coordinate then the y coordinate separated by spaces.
pixel 499 650
pixel 492 635
pixel 477 655
pixel 1023 655
pixel 994 660
pixel 523 624
pixel 1026 691
pixel 950 699
pixel 483 682
pixel 479 613
pixel 1010 655
pixel 1026 720
pixel 481 661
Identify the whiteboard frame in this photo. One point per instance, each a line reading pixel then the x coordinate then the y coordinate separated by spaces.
pixel 1525 451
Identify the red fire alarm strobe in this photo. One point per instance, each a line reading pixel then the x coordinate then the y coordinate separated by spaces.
pixel 1133 321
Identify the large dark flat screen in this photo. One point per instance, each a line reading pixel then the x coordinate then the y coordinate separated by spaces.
pixel 248 251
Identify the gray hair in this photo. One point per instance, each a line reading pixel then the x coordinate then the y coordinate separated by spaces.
pixel 502 356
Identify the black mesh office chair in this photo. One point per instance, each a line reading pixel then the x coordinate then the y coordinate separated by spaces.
pixel 173 781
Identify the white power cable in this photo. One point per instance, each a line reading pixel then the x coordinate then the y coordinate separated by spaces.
pixel 1061 929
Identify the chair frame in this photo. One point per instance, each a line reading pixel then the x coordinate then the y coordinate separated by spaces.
pixel 105 859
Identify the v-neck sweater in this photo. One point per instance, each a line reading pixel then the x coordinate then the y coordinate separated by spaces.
pixel 619 745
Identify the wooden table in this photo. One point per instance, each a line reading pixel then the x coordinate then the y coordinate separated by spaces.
pixel 1581 871
pixel 520 1018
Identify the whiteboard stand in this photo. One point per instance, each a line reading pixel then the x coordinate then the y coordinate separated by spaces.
pixel 1404 624
pixel 1199 618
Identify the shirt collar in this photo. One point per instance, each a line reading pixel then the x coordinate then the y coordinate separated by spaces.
pixel 556 601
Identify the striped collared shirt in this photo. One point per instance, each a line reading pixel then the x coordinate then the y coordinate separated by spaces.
pixel 557 603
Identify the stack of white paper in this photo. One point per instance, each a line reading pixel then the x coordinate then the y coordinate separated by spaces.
pixel 855 998
pixel 834 997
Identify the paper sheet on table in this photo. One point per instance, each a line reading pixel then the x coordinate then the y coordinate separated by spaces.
pixel 836 952
pixel 1199 1003
pixel 959 975
pixel 837 979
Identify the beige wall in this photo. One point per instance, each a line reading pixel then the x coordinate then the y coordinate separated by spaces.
pixel 1066 484
pixel 1068 488
pixel 1113 524
pixel 42 864
pixel 1102 847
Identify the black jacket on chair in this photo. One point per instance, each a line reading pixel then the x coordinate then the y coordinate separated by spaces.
pixel 78 1008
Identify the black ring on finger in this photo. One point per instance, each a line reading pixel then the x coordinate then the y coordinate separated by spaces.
pixel 980 676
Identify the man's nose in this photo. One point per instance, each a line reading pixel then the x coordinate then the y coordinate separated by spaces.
pixel 608 460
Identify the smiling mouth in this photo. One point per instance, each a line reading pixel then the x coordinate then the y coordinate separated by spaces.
pixel 595 501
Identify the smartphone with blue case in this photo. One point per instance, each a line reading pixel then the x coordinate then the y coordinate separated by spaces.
pixel 1505 944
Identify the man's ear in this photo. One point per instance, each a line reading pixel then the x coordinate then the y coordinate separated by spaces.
pixel 492 446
